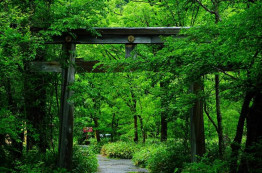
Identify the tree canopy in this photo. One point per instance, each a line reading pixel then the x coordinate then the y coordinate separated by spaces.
pixel 150 99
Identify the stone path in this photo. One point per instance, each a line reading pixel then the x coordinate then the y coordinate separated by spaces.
pixel 107 165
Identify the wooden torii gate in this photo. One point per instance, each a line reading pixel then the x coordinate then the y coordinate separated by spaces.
pixel 130 37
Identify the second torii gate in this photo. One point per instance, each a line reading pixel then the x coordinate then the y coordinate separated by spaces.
pixel 130 37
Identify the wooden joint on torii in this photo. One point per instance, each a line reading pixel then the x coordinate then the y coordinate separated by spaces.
pixel 128 36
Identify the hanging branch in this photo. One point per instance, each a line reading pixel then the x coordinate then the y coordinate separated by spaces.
pixel 209 117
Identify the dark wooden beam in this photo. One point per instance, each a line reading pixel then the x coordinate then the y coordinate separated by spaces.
pixel 146 35
pixel 80 65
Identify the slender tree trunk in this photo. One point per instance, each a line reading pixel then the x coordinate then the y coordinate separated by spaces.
pixel 133 110
pixel 251 160
pixel 163 127
pixel 142 128
pixel 113 127
pixel 135 128
pixel 236 144
pixel 219 118
pixel 163 86
pixel 2 143
pixel 186 132
pixel 97 131
pixel 198 146
pixel 157 129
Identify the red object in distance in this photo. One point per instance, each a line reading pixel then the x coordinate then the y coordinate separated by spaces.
pixel 87 129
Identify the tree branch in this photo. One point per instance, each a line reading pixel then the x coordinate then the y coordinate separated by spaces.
pixel 207 113
pixel 202 5
pixel 225 73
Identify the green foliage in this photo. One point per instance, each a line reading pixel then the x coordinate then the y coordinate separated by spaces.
pixel 141 156
pixel 95 146
pixel 157 157
pixel 36 162
pixel 253 158
pixel 167 158
pixel 205 166
pixel 114 98
pixel 8 124
pixel 119 149
pixel 84 161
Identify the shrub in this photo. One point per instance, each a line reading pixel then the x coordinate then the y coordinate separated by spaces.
pixel 205 166
pixel 119 150
pixel 95 146
pixel 141 156
pixel 167 159
pixel 84 161
pixel 34 161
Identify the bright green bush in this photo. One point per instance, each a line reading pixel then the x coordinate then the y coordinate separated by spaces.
pixel 84 161
pixel 167 158
pixel 122 150
pixel 141 156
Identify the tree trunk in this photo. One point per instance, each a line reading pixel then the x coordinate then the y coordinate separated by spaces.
pixel 186 133
pixel 163 86
pixel 251 160
pixel 113 127
pixel 163 127
pixel 157 129
pixel 235 146
pixel 198 147
pixel 142 128
pixel 135 129
pixel 219 119
pixel 97 131
pixel 133 110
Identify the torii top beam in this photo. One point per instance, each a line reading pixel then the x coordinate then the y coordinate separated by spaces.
pixel 116 35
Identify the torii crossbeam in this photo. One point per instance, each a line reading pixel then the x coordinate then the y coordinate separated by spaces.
pixel 130 37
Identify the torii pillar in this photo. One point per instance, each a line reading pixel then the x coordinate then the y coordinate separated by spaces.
pixel 67 109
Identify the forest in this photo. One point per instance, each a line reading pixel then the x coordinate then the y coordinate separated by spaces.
pixel 138 105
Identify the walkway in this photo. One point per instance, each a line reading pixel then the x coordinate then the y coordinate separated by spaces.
pixel 107 165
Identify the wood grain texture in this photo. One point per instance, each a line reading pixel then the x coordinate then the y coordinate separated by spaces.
pixel 80 65
pixel 142 35
pixel 67 108
pixel 197 124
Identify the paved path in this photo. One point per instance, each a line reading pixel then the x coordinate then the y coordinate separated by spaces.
pixel 107 165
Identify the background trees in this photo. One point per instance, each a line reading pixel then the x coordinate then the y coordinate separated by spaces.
pixel 223 49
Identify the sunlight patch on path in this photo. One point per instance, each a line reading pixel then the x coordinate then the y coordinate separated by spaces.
pixel 107 165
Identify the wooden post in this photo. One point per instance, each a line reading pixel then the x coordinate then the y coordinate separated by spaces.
pixel 197 124
pixel 67 109
pixel 129 49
